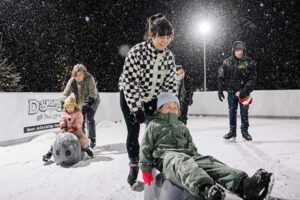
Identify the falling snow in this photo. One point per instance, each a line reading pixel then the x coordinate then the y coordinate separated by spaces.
pixel 52 36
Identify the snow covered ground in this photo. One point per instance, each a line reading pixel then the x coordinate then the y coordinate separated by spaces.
pixel 276 147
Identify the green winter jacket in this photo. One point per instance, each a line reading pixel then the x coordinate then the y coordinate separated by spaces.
pixel 164 134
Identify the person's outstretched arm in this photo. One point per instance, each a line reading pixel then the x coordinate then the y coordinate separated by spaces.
pixel 147 148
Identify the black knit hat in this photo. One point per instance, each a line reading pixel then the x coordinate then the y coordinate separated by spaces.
pixel 238 45
pixel 178 67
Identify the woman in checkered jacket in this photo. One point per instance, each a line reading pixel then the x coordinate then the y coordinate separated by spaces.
pixel 149 69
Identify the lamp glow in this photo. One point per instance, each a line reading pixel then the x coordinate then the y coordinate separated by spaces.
pixel 204 27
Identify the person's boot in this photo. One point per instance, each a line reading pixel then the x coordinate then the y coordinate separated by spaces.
pixel 231 136
pixel 246 136
pixel 133 171
pixel 89 152
pixel 259 186
pixel 48 155
pixel 213 192
pixel 92 142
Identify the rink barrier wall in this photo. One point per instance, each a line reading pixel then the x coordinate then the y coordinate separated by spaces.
pixel 266 104
pixel 26 115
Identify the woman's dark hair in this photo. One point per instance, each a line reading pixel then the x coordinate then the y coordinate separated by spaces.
pixel 158 25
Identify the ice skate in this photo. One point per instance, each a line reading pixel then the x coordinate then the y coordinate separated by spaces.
pixel 92 142
pixel 138 186
pixel 259 186
pixel 133 171
pixel 89 152
pixel 246 136
pixel 47 156
pixel 231 137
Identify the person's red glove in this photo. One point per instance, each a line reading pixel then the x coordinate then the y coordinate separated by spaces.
pixel 148 178
pixel 246 101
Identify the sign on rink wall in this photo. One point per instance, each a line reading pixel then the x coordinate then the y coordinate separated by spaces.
pixel 25 115
pixel 41 112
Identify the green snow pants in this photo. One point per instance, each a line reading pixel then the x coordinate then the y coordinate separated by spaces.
pixel 192 173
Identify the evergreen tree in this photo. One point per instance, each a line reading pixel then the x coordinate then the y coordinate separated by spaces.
pixel 9 78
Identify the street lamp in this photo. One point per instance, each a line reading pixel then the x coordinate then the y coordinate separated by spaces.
pixel 204 28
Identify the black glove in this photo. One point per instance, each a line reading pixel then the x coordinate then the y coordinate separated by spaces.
pixel 242 94
pixel 221 95
pixel 140 116
pixel 87 104
pixel 191 102
pixel 62 102
pixel 90 101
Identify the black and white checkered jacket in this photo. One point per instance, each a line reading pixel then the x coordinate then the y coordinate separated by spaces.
pixel 147 73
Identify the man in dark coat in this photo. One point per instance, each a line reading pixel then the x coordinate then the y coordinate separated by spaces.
pixel 237 75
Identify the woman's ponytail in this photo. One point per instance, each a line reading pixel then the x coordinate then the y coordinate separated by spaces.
pixel 152 25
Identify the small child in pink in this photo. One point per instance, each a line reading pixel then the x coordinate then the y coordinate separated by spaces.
pixel 71 121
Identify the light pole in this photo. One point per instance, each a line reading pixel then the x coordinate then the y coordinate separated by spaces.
pixel 204 28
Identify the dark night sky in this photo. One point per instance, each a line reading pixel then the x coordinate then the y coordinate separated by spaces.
pixel 52 36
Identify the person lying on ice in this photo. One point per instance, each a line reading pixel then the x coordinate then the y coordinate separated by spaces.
pixel 71 121
pixel 169 140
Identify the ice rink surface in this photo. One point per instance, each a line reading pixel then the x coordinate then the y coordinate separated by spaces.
pixel 23 175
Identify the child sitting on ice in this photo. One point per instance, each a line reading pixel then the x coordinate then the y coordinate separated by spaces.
pixel 71 121
pixel 169 141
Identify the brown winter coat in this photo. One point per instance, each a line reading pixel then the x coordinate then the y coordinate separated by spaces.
pixel 88 89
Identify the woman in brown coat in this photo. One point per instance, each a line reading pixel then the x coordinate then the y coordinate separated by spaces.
pixel 83 85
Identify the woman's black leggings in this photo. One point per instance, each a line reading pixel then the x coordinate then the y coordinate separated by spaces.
pixel 133 126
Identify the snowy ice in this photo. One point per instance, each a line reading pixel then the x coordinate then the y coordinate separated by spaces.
pixel 24 176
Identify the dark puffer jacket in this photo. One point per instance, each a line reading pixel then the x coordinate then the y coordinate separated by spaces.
pixel 237 74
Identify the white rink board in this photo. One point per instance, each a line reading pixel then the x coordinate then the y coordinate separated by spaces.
pixel 266 103
pixel 28 114
pixel 24 115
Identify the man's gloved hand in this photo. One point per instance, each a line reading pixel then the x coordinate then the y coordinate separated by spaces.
pixel 88 104
pixel 148 178
pixel 221 95
pixel 140 116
